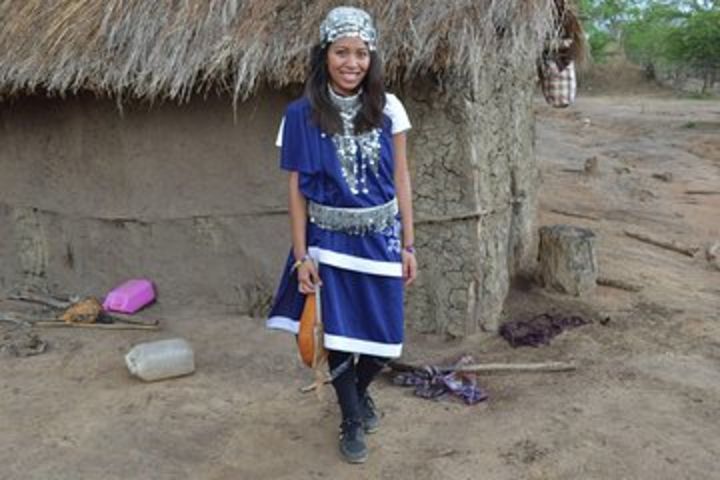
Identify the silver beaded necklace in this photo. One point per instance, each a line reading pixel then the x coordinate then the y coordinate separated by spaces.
pixel 354 170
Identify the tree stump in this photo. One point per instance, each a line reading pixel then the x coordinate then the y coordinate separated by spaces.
pixel 567 260
pixel 712 254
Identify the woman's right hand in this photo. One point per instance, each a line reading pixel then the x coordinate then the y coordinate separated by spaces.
pixel 308 277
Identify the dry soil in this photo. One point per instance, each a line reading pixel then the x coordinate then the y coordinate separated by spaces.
pixel 642 404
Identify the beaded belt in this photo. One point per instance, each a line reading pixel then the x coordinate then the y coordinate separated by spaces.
pixel 355 221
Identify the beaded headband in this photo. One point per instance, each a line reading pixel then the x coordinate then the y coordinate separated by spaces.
pixel 348 22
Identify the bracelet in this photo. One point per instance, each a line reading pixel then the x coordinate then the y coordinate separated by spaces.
pixel 297 263
pixel 409 249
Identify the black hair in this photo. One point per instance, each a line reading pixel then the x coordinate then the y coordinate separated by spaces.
pixel 325 114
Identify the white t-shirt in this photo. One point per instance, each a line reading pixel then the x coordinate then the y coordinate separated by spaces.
pixel 393 109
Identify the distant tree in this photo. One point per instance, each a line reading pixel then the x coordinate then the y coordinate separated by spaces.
pixel 603 21
pixel 681 35
pixel 647 36
pixel 697 44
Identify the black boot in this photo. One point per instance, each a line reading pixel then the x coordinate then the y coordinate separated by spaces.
pixel 370 418
pixel 367 368
pixel 352 441
pixel 352 436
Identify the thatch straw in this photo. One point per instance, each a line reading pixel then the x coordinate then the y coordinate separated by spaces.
pixel 172 49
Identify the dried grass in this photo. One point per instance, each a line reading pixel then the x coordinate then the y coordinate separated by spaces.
pixel 172 49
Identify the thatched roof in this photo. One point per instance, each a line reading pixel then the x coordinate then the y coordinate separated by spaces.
pixel 156 49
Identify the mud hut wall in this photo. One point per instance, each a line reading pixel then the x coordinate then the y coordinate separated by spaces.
pixel 183 195
pixel 475 183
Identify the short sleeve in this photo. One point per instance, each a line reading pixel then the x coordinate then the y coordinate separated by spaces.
pixel 395 110
pixel 278 140
pixel 296 139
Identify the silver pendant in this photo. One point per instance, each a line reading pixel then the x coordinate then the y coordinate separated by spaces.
pixel 354 166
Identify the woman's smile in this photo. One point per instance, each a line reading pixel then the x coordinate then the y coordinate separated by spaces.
pixel 348 61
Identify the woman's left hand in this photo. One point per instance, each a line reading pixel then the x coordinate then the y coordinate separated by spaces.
pixel 409 266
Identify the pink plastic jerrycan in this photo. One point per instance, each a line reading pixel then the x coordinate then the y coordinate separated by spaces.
pixel 130 297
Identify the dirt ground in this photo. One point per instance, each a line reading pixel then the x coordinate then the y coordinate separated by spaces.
pixel 642 404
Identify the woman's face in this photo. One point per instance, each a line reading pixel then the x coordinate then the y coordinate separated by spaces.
pixel 348 61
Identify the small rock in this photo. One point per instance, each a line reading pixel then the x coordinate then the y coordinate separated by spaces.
pixel 665 176
pixel 586 122
pixel 621 170
pixel 22 343
pixel 644 195
pixel 591 166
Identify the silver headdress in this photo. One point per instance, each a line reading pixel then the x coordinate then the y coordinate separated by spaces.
pixel 348 22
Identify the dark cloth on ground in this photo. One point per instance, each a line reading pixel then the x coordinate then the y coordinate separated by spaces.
pixel 539 330
pixel 432 382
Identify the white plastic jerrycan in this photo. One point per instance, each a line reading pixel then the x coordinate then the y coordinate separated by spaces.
pixel 162 359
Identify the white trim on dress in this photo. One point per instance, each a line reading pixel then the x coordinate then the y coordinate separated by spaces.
pixel 356 264
pixel 367 347
pixel 338 342
pixel 283 323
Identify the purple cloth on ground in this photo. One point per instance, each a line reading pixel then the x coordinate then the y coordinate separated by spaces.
pixel 432 382
pixel 539 330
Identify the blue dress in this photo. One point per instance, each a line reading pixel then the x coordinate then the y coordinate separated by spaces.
pixel 362 294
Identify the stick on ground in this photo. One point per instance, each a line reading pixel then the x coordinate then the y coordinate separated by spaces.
pixel 516 367
pixel 702 192
pixel 10 318
pixel 99 326
pixel 494 367
pixel 574 214
pixel 619 284
pixel 41 299
pixel 313 386
pixel 476 368
pixel 62 305
pixel 666 244
pixel 120 318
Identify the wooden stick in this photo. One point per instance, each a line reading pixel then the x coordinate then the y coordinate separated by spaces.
pixel 493 367
pixel 41 299
pixel 453 218
pixel 668 245
pixel 314 385
pixel 120 318
pixel 515 367
pixel 10 318
pixel 476 368
pixel 573 214
pixel 60 304
pixel 619 284
pixel 19 319
pixel 100 326
pixel 702 192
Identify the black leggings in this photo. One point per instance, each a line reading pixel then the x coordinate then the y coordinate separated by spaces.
pixel 351 379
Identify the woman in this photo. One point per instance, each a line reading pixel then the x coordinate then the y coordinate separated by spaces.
pixel 343 144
